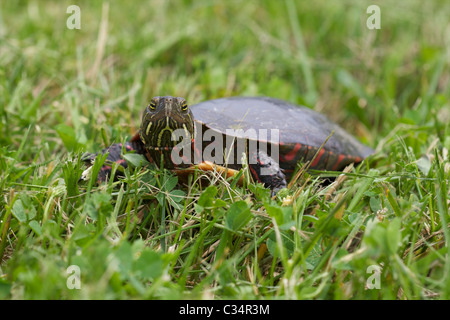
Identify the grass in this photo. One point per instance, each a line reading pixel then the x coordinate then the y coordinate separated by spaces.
pixel 66 91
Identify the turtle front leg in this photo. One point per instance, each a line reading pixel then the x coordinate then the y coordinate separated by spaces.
pixel 267 171
pixel 114 155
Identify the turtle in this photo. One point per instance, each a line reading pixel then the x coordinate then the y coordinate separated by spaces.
pixel 268 134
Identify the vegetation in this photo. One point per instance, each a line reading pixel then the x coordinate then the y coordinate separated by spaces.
pixel 379 231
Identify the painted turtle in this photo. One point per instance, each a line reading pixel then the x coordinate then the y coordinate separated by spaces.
pixel 274 134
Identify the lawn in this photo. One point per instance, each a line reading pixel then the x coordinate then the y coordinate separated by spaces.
pixel 378 231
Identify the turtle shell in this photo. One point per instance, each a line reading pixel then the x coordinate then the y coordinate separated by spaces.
pixel 301 131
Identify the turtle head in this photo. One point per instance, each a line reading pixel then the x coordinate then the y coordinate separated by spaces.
pixel 165 122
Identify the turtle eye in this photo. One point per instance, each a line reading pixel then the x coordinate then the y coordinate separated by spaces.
pixel 152 105
pixel 184 106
